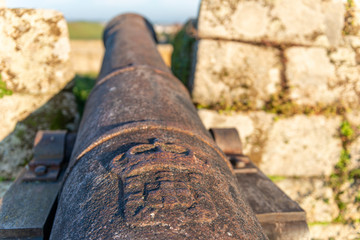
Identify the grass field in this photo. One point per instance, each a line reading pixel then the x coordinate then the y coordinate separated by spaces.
pixel 85 30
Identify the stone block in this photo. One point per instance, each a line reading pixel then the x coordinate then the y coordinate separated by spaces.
pixel 353 117
pixel 353 41
pixel 336 231
pixel 242 122
pixel 314 196
pixel 317 76
pixel 59 112
pixel 354 150
pixel 352 18
pixel 302 146
pixel 35 51
pixel 35 65
pixel 228 72
pixel 350 197
pixel 304 22
pixel 16 107
pixel 310 74
pixel 296 146
pixel 347 70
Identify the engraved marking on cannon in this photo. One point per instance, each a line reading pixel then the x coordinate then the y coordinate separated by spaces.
pixel 137 126
pixel 163 183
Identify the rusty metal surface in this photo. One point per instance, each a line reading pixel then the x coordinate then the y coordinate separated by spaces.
pixel 227 139
pixel 297 230
pixel 280 217
pixel 140 43
pixel 265 198
pixel 144 166
pixel 49 150
pixel 28 208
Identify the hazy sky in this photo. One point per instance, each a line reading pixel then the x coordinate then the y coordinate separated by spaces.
pixel 158 11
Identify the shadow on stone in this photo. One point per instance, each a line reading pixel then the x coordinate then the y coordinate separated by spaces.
pixel 60 112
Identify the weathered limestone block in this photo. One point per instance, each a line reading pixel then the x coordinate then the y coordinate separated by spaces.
pixel 242 122
pixel 296 146
pixel 311 76
pixel 336 231
pixel 354 149
pixel 350 197
pixel 305 22
pixel 346 61
pixel 353 41
pixel 325 77
pixel 16 107
pixel 302 146
pixel 353 117
pixel 314 196
pixel 59 112
pixel 34 61
pixel 227 72
pixel 34 50
pixel 352 18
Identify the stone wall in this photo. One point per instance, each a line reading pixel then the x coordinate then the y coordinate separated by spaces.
pixel 35 68
pixel 304 66
pixel 286 75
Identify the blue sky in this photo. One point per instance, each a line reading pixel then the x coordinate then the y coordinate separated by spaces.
pixel 157 11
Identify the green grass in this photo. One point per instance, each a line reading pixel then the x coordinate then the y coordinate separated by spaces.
pixel 182 55
pixel 85 30
pixel 82 88
pixel 3 89
pixel 346 129
pixel 276 178
pixel 3 179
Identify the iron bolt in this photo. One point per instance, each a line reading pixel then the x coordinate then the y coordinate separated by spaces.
pixel 40 170
pixel 239 161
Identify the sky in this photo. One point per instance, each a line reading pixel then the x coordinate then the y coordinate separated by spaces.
pixel 157 11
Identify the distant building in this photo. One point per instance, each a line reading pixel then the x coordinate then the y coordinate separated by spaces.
pixel 165 33
pixel 2 3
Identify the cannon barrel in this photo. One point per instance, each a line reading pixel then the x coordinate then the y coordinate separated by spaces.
pixel 143 165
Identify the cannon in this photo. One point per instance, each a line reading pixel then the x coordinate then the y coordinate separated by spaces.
pixel 143 166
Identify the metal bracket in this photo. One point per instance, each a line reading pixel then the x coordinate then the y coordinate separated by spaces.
pixel 49 151
pixel 229 141
pixel 279 216
pixel 28 208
